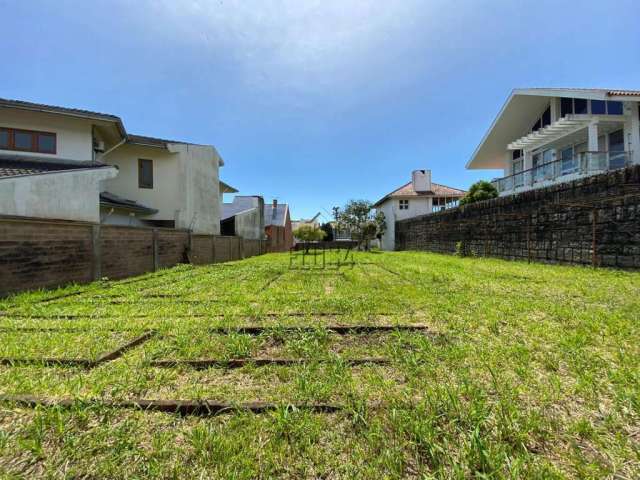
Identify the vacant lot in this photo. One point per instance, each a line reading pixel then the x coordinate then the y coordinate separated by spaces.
pixel 524 371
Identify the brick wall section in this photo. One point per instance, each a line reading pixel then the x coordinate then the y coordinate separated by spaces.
pixel 172 246
pixel 47 253
pixel 552 225
pixel 38 254
pixel 125 251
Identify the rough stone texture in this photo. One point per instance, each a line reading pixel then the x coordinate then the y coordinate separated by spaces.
pixel 47 253
pixel 551 225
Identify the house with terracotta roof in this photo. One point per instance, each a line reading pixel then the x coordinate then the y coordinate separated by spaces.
pixel 418 197
pixel 545 136
pixel 71 164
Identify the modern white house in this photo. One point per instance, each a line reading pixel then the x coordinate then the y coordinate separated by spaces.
pixel 420 196
pixel 544 136
pixel 71 164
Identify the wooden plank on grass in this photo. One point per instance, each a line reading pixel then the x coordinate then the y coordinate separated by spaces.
pixel 260 362
pixel 182 407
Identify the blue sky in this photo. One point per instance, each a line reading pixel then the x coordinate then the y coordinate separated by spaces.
pixel 315 102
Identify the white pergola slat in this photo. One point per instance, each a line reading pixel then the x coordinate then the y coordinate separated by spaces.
pixel 550 133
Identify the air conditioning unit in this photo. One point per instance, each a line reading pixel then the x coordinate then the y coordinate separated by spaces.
pixel 98 146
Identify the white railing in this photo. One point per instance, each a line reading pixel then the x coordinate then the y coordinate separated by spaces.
pixel 586 163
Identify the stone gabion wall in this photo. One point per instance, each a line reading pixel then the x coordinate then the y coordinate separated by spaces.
pixel 594 220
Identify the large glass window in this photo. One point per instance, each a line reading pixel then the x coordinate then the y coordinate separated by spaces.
pixel 22 140
pixel 4 138
pixel 580 106
pixel 566 106
pixel 614 108
pixel 598 107
pixel 145 173
pixel 27 140
pixel 568 162
pixel 616 149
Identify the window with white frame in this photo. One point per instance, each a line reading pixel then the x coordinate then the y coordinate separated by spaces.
pixel 403 204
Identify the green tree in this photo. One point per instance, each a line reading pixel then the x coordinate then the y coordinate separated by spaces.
pixel 327 228
pixel 479 191
pixel 359 218
pixel 308 233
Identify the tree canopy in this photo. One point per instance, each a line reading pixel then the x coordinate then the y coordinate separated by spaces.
pixel 479 191
pixel 359 217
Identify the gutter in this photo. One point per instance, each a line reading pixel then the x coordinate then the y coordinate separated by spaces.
pixel 120 143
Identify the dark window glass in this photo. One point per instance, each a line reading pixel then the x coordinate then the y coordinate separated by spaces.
pixel 46 143
pixel 616 149
pixel 566 106
pixel 546 117
pixel 145 173
pixel 580 106
pixel 516 154
pixel 23 140
pixel 536 126
pixel 614 108
pixel 4 138
pixel 598 107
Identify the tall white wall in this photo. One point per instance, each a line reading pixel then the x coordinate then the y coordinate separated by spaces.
pixel 199 195
pixel 164 196
pixel 71 195
pixel 74 139
pixel 391 209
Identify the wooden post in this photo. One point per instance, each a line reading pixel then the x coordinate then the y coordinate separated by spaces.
pixel 155 252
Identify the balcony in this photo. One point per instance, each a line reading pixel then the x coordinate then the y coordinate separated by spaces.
pixel 564 170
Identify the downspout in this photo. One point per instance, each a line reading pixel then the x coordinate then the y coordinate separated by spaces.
pixel 120 143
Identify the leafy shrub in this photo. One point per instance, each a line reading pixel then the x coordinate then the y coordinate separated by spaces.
pixel 479 191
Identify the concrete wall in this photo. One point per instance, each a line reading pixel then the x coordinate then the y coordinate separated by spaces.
pixel 250 224
pixel 44 253
pixel 165 192
pixel 198 179
pixel 72 195
pixel 391 209
pixel 185 183
pixel 74 139
pixel 558 224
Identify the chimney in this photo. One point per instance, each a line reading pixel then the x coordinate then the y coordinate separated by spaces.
pixel 421 180
pixel 275 203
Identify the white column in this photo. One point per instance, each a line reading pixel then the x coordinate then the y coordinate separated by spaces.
pixel 593 136
pixel 635 132
pixel 555 109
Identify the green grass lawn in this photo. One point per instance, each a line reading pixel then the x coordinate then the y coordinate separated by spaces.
pixel 526 371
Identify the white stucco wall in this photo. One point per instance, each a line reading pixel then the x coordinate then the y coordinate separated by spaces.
pixel 249 224
pixel 73 135
pixel 185 189
pixel 199 194
pixel 165 192
pixel 70 195
pixel 391 209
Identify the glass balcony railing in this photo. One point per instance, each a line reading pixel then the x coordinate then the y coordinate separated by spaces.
pixel 586 163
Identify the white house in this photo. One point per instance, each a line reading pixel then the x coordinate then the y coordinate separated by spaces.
pixel 546 136
pixel 66 163
pixel 418 197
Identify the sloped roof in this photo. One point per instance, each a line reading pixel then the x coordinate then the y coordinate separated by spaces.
pixel 275 216
pixel 150 141
pixel 437 190
pixel 76 112
pixel 108 199
pixel 14 166
pixel 226 188
pixel 241 203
